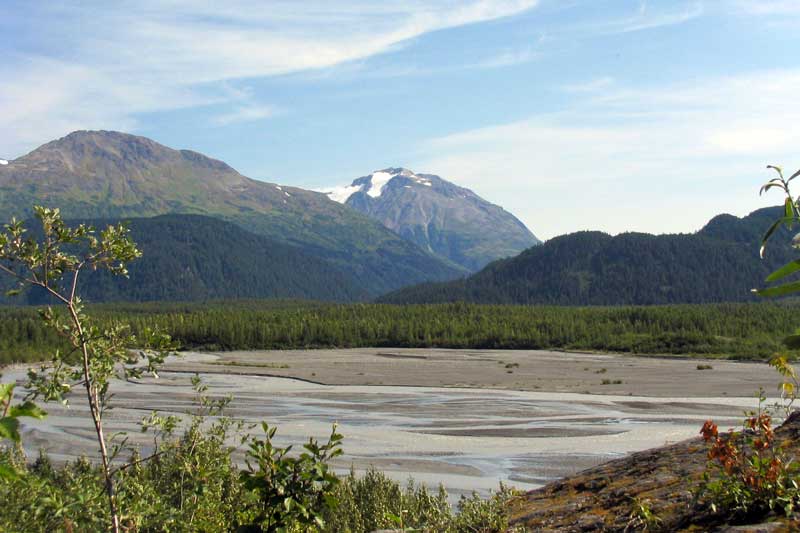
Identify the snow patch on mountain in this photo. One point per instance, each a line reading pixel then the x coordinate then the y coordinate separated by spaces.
pixel 341 194
pixel 3 162
pixel 374 184
pixel 377 182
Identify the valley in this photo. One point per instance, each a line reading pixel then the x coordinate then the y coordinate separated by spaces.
pixel 474 266
pixel 408 414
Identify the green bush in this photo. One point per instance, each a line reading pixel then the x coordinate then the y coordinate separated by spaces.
pixel 194 485
pixel 373 501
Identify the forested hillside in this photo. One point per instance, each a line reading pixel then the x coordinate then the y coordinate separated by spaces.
pixel 719 263
pixel 193 257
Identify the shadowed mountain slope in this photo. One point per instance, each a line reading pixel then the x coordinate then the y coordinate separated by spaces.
pixel 194 257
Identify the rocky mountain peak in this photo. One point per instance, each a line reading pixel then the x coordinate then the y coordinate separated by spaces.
pixel 447 220
pixel 118 149
pixel 373 185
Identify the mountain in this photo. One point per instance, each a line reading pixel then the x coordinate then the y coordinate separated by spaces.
pixel 447 220
pixel 104 174
pixel 195 257
pixel 719 263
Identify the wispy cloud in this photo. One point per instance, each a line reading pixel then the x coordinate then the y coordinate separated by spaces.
pixel 769 7
pixel 502 59
pixel 96 64
pixel 645 16
pixel 648 18
pixel 663 156
pixel 244 113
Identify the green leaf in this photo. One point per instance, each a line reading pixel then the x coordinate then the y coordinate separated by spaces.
pixel 5 391
pixel 394 518
pixel 768 186
pixel 777 169
pixel 785 270
pixel 8 472
pixel 9 428
pixel 27 409
pixel 788 208
pixel 793 176
pixel 780 290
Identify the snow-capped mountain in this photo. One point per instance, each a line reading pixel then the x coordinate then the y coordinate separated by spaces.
pixel 449 221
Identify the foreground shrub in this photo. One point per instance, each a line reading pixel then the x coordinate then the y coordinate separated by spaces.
pixel 193 484
pixel 292 491
pixel 749 473
pixel 373 501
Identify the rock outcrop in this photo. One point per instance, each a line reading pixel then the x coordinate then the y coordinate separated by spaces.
pixel 663 480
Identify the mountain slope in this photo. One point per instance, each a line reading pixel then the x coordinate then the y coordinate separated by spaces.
pixel 194 257
pixel 450 221
pixel 717 264
pixel 110 174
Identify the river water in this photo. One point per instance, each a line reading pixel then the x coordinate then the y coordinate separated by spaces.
pixel 468 439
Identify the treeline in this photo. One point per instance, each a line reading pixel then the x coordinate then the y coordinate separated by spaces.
pixel 744 331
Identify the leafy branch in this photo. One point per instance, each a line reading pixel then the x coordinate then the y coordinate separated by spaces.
pixel 54 263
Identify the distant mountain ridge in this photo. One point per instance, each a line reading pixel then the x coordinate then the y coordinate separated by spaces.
pixel 719 263
pixel 104 174
pixel 447 220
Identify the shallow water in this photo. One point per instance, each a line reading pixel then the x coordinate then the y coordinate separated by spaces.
pixel 468 439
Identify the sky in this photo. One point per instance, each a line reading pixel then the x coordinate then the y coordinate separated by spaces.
pixel 612 115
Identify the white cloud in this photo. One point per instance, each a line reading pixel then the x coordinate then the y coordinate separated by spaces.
pixel 662 157
pixel 109 62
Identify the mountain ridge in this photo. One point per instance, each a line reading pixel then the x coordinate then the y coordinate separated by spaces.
pixel 719 263
pixel 104 174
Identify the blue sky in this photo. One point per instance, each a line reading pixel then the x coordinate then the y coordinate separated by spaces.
pixel 572 114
